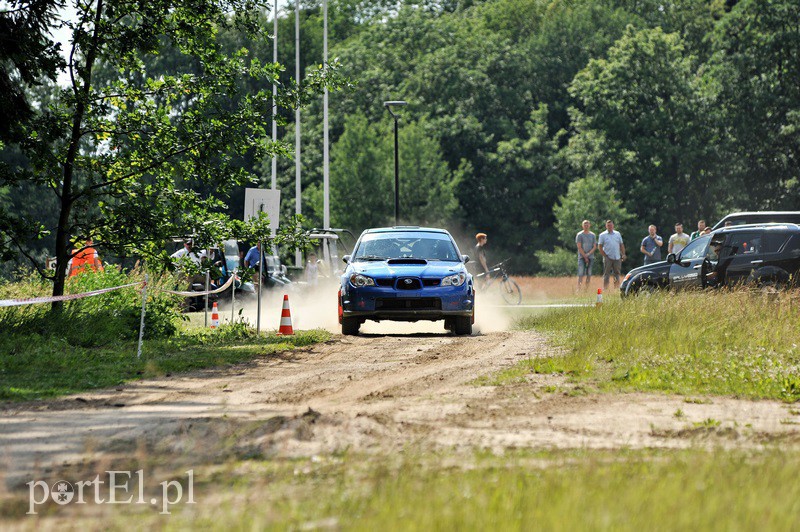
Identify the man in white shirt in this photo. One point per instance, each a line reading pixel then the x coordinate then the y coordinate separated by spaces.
pixel 679 240
pixel 613 251
pixel 188 251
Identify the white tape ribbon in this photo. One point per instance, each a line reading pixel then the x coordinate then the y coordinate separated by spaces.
pixel 196 294
pixel 51 299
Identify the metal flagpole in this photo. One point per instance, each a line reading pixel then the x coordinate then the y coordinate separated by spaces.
pixel 260 274
pixel 275 96
pixel 326 211
pixel 298 257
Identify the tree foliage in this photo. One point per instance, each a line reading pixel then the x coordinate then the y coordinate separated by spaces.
pixel 135 158
pixel 686 108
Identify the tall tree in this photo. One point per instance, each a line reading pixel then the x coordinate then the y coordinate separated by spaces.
pixel 28 56
pixel 644 122
pixel 756 69
pixel 124 155
pixel 362 166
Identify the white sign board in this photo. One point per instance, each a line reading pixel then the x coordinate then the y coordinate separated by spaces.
pixel 263 200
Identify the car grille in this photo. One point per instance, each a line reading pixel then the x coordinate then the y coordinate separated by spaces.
pixel 423 303
pixel 415 283
pixel 408 283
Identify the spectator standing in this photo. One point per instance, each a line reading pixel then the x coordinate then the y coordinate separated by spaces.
pixel 480 251
pixel 315 268
pixel 85 259
pixel 252 259
pixel 701 227
pixel 613 251
pixel 188 251
pixel 679 240
pixel 651 246
pixel 586 242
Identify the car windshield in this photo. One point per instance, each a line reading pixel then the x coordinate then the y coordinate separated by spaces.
pixel 406 245
pixel 696 249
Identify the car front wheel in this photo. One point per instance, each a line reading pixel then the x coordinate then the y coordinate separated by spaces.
pixel 462 325
pixel 350 326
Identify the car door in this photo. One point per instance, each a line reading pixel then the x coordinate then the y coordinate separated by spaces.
pixel 742 254
pixel 685 271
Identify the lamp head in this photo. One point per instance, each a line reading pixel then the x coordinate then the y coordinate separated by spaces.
pixel 398 103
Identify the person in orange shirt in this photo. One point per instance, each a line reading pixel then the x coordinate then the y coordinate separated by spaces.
pixel 84 259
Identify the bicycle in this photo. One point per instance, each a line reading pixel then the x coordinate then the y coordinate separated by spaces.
pixel 509 289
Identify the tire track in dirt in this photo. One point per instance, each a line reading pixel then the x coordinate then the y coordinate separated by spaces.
pixel 369 393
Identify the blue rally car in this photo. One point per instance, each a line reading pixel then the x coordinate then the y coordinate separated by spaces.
pixel 406 274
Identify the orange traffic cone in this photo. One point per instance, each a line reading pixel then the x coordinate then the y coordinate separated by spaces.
pixel 286 318
pixel 599 297
pixel 214 316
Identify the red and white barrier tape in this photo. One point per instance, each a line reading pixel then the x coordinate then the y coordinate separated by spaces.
pixel 196 294
pixel 69 297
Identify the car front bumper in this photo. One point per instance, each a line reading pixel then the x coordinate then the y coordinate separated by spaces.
pixel 385 303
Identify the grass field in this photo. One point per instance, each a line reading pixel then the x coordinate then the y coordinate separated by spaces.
pixel 738 343
pixel 519 490
pixel 53 367
pixel 92 343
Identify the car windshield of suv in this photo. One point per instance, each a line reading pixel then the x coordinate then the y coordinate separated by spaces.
pixel 406 245
pixel 696 249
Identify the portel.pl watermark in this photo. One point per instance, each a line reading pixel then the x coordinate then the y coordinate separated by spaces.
pixel 115 487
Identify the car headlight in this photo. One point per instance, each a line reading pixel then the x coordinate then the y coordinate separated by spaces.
pixel 359 280
pixel 454 280
pixel 627 276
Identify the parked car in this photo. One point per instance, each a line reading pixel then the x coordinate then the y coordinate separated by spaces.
pixel 330 245
pixel 406 273
pixel 765 255
pixel 762 217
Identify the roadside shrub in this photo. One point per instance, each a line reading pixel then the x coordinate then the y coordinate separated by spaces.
pixel 92 321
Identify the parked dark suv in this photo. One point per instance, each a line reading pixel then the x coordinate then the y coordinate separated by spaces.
pixel 766 255
pixel 759 217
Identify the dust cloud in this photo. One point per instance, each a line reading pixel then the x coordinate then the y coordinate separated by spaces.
pixel 316 308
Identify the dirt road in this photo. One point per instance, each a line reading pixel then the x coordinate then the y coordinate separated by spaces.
pixel 365 393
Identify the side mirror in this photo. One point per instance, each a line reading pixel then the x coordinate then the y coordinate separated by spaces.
pixel 671 258
pixel 465 258
pixel 346 259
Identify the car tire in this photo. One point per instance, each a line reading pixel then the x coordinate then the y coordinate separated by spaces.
pixel 350 326
pixel 646 290
pixel 462 325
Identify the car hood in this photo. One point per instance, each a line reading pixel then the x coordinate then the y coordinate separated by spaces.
pixel 383 269
pixel 661 267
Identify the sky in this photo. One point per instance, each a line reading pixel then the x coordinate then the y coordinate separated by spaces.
pixel 63 35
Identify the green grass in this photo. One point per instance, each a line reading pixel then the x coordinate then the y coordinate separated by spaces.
pixel 520 490
pixel 92 342
pixel 739 344
pixel 48 366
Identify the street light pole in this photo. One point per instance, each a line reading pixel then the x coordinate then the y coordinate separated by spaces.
pixel 388 106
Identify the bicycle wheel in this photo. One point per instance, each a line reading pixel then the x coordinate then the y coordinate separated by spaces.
pixel 511 292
